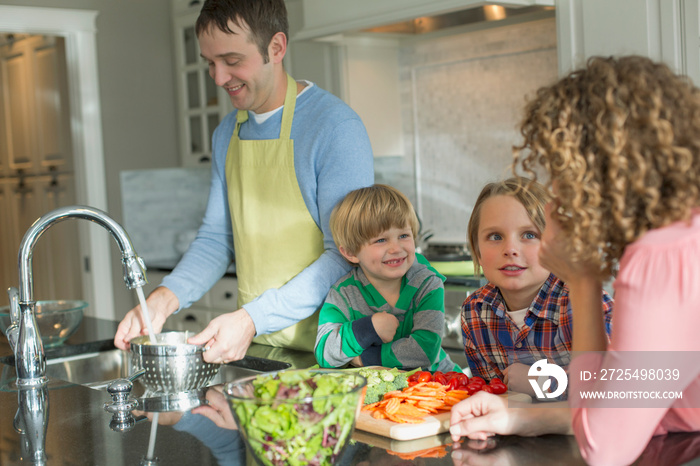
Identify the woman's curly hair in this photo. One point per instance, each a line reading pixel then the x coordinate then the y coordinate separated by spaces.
pixel 620 142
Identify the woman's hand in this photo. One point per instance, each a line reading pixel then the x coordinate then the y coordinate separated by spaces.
pixel 483 414
pixel 553 255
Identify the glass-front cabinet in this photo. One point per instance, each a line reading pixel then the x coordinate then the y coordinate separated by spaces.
pixel 201 104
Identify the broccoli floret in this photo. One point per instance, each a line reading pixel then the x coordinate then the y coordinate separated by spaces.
pixel 375 392
pixel 381 381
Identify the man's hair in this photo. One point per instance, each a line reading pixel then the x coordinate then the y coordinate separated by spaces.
pixel 366 212
pixel 620 142
pixel 263 18
pixel 532 195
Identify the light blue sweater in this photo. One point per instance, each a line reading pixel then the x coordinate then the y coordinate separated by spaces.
pixel 332 156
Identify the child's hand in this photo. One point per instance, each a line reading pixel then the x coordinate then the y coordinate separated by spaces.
pixel 385 325
pixel 356 362
pixel 515 377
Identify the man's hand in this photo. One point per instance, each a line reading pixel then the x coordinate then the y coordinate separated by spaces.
pixel 385 325
pixel 161 303
pixel 227 337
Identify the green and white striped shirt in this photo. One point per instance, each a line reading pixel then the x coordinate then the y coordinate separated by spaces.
pixel 345 327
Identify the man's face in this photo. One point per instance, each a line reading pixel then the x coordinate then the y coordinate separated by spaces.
pixel 235 63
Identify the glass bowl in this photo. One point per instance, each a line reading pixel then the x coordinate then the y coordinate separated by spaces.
pixel 296 416
pixel 57 320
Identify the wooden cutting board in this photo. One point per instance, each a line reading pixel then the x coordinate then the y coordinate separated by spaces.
pixel 433 425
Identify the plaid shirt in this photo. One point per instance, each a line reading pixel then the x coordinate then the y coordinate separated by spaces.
pixel 492 341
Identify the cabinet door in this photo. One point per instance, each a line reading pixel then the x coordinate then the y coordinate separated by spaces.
pixel 34 105
pixel 201 104
pixel 15 75
pixel 55 259
pixel 8 252
pixel 51 106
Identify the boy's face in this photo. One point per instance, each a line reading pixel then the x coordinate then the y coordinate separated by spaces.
pixel 235 63
pixel 508 247
pixel 387 257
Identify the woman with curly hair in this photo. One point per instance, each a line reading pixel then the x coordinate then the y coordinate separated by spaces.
pixel 618 143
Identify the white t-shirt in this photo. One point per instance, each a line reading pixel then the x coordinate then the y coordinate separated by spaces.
pixel 519 316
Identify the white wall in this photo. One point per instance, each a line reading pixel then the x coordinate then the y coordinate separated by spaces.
pixel 137 91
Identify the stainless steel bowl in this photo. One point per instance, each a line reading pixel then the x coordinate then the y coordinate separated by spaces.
pixel 172 365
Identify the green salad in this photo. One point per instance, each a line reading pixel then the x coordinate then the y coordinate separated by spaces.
pixel 298 417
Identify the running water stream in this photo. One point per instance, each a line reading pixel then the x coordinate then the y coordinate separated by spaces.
pixel 152 439
pixel 152 336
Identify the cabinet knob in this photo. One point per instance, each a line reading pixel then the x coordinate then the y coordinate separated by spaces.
pixel 228 295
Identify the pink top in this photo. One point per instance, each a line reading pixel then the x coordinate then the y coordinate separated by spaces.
pixel 657 309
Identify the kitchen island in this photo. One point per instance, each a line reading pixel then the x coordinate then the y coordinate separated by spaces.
pixel 79 431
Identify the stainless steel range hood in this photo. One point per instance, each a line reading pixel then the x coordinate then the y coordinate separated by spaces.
pixel 471 16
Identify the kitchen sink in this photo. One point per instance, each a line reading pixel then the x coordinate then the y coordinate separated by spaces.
pixel 97 369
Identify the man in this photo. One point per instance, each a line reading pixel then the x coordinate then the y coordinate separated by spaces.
pixel 281 162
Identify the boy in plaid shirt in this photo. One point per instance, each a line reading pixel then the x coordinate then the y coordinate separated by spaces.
pixel 523 314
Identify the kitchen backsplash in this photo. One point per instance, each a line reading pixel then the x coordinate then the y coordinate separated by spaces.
pixel 463 97
pixel 162 210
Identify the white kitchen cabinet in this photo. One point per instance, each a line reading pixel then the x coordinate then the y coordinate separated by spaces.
pixel 201 104
pixel 36 164
pixel 34 119
pixel 663 30
pixel 55 264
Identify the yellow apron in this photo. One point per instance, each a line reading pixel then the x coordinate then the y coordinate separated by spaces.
pixel 274 235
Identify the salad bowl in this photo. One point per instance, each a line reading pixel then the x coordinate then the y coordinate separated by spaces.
pixel 296 416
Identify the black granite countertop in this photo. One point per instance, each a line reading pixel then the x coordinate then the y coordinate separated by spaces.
pixel 79 431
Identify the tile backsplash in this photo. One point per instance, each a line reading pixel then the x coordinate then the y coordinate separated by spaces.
pixel 463 97
pixel 162 208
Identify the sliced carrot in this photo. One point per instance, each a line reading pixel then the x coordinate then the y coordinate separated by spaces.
pixel 412 404
pixel 402 418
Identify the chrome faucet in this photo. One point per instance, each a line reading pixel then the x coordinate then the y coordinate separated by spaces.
pixel 23 333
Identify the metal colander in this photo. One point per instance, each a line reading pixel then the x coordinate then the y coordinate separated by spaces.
pixel 172 365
